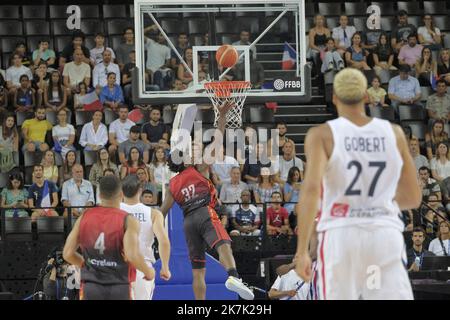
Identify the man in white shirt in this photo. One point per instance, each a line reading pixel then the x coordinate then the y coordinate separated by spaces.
pixel 222 167
pixel 244 40
pixel 152 224
pixel 76 72
pixel 94 134
pixel 286 161
pixel 419 160
pixel 119 130
pixel 97 51
pixel 441 245
pixel 14 73
pixel 100 72
pixel 343 34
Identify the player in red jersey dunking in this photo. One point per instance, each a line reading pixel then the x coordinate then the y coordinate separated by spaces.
pixel 197 196
pixel 108 238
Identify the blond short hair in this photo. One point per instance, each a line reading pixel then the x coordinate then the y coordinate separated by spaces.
pixel 350 86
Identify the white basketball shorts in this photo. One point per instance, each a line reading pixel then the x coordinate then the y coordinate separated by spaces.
pixel 143 289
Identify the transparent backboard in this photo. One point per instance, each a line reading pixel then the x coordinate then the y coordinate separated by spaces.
pixel 268 35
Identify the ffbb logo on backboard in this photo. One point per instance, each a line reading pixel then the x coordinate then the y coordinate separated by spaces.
pixel 287 85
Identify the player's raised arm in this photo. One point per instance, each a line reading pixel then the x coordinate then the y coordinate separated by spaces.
pixel 308 207
pixel 408 195
pixel 220 131
pixel 163 243
pixel 131 248
pixel 167 203
pixel 70 253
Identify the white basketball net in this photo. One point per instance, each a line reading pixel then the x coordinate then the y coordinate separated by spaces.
pixel 231 91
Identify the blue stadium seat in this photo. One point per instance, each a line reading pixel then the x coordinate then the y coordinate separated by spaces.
pixel 9 12
pixel 114 11
pixel 37 28
pixel 11 28
pixel 34 12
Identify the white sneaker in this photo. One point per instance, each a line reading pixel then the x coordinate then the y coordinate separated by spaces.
pixel 236 285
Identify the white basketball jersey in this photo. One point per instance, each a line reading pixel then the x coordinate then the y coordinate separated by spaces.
pixel 361 178
pixel 146 237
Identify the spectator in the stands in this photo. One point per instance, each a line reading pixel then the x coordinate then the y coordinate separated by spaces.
pixel 244 40
pixel 288 160
pixel 158 59
pixel 253 164
pixel 21 49
pixel 111 95
pixel 411 52
pixel 63 134
pixel 44 54
pixel 127 77
pixel 399 35
pixel 133 163
pixel 96 53
pixel 371 38
pixel 107 172
pixel 14 72
pixel 69 51
pixel 158 168
pixel 51 172
pixel 94 134
pixel 24 96
pixel 277 217
pixel 65 171
pixel 425 67
pixel 332 60
pixel 356 56
pixel 102 71
pixel 182 73
pixel 416 254
pixel 155 132
pixel 146 182
pixel 429 35
pixel 119 130
pixel 81 91
pixel 419 160
pixel 444 65
pixel 34 131
pixel 289 286
pixel 434 137
pixel 404 89
pixel 181 47
pixel 9 140
pixel 42 204
pixel 75 72
pixel 273 145
pixel 383 55
pixel 99 167
pixel 317 38
pixel 133 141
pixel 343 35
pixel 256 73
pixel 77 192
pixel 377 94
pixel 147 198
pixel 221 167
pixel 292 189
pixel 441 245
pixel 3 94
pixel 231 191
pixel 124 49
pixel 440 167
pixel 15 197
pixel 40 82
pixel 55 95
pixel 245 217
pixel 266 186
pixel 428 185
pixel 438 104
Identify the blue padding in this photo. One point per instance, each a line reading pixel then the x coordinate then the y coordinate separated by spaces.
pixel 184 292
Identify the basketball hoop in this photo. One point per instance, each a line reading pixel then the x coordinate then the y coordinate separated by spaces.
pixel 231 91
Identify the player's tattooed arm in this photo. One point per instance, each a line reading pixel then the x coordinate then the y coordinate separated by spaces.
pixel 70 253
pixel 167 203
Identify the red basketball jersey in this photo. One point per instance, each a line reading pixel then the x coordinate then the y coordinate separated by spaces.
pixel 191 190
pixel 101 241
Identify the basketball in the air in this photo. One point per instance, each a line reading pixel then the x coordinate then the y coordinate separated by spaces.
pixel 227 56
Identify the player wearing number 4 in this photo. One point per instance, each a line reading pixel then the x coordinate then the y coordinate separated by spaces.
pixel 197 196
pixel 362 171
pixel 109 241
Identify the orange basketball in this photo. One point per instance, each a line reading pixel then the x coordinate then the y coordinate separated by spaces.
pixel 227 56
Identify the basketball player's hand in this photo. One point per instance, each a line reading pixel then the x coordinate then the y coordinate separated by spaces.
pixel 165 274
pixel 225 107
pixel 303 266
pixel 291 293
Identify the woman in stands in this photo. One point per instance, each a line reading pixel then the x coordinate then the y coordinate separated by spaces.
pixel 98 169
pixel 51 172
pixel 441 245
pixel 356 56
pixel 111 95
pixel 55 97
pixel 24 97
pixel 292 194
pixel 63 134
pixel 444 65
pixel 377 94
pixel 266 186
pixel 433 138
pixel 183 74
pixel 383 55
pixel 318 40
pixel 133 163
pixel 40 81
pixel 440 167
pixel 159 170
pixel 9 136
pixel 15 196
pixel 425 66
pixel 65 172
pixel 429 35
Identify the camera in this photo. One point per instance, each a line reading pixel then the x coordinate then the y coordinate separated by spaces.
pixel 57 262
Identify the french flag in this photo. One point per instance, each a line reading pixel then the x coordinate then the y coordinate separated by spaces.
pixel 289 57
pixel 91 102
pixel 45 203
